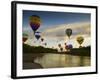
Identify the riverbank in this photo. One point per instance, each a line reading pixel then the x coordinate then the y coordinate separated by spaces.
pixel 84 51
pixel 31 65
pixel 28 61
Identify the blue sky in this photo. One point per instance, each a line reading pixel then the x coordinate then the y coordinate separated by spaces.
pixel 57 22
pixel 54 18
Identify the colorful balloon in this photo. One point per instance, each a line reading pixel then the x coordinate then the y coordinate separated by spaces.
pixel 35 22
pixel 66 47
pixel 80 40
pixel 25 37
pixel 70 46
pixel 69 32
pixel 37 35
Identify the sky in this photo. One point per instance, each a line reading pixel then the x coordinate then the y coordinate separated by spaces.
pixel 53 26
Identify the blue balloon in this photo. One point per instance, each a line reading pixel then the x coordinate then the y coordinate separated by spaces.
pixel 70 46
pixel 37 35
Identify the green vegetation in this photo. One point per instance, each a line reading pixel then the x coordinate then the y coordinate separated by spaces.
pixel 39 49
pixel 83 51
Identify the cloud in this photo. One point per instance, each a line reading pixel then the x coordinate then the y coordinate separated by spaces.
pixel 56 34
pixel 82 28
pixel 29 32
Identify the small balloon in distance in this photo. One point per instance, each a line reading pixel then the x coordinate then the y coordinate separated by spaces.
pixel 68 32
pixel 37 35
pixel 25 37
pixel 80 39
pixel 42 39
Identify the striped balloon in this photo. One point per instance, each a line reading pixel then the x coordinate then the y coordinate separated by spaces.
pixel 35 22
pixel 37 35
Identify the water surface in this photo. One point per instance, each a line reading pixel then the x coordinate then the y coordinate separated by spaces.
pixel 51 60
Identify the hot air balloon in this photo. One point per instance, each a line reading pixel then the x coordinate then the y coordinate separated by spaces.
pixel 37 35
pixel 69 32
pixel 45 44
pixel 59 45
pixel 66 47
pixel 61 49
pixel 25 37
pixel 80 40
pixel 65 44
pixel 42 39
pixel 35 22
pixel 70 46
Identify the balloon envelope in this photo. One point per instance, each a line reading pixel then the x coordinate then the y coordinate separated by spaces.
pixel 35 22
pixel 66 47
pixel 61 49
pixel 70 46
pixel 69 32
pixel 80 40
pixel 42 39
pixel 45 44
pixel 37 35
pixel 59 45
pixel 25 37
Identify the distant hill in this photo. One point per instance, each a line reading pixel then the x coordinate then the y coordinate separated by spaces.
pixel 84 51
pixel 37 49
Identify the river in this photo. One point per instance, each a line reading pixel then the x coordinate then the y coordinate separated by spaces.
pixel 51 60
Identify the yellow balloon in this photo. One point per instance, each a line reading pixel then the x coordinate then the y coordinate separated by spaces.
pixel 80 39
pixel 35 20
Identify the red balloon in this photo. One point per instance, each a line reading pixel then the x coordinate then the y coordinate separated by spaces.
pixel 24 39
